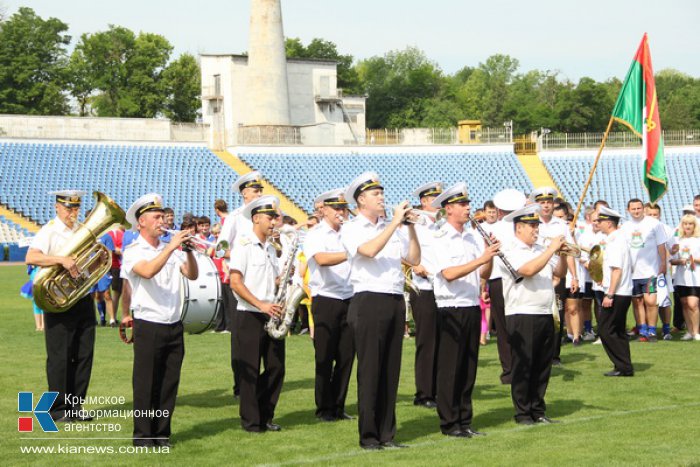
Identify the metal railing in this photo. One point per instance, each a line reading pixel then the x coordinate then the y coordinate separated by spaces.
pixel 272 134
pixel 616 139
pixel 428 136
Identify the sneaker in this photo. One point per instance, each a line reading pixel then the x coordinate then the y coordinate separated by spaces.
pixel 633 332
pixel 577 342
pixel 687 337
pixel 652 338
pixel 588 336
pixel 668 337
pixel 112 324
pixel 644 339
pixel 304 331
pixel 488 336
pixel 697 337
pixel 598 342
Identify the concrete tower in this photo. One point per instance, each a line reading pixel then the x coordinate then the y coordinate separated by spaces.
pixel 267 89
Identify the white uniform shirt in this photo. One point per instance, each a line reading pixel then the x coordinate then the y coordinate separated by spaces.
pixel 684 276
pixel 426 239
pixel 533 295
pixel 383 273
pixel 554 228
pixel 52 236
pixel 643 238
pixel 453 249
pixel 617 254
pixel 257 262
pixel 329 281
pixel 504 233
pixel 236 224
pixel 156 299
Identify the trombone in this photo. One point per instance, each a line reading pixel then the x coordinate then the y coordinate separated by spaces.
pixel 219 247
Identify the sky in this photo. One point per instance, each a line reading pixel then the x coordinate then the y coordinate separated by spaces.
pixel 595 38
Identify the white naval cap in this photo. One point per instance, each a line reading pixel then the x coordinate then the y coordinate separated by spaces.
pixel 149 202
pixel 688 209
pixel 333 198
pixel 366 181
pixel 68 198
pixel 429 189
pixel 264 205
pixel 249 180
pixel 509 199
pixel 542 193
pixel 605 213
pixel 457 193
pixel 529 214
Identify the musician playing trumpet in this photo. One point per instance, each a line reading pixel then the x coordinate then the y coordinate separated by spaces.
pixel 153 269
pixel 254 271
pixel 462 261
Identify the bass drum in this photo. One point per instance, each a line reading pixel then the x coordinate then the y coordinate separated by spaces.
pixel 201 298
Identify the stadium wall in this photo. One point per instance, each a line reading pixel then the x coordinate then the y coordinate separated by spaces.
pixel 100 128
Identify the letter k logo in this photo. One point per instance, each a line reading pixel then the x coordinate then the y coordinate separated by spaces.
pixel 25 403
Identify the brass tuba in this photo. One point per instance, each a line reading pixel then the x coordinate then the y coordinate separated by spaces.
pixel 54 289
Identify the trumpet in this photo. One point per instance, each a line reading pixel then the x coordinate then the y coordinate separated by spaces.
pixel 568 248
pixel 219 247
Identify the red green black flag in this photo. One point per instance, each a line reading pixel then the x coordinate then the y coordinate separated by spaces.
pixel 637 108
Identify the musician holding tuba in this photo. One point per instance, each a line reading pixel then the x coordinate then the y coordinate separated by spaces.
pixel 70 335
pixel 331 292
pixel 153 269
pixel 462 260
pixel 254 271
pixel 376 247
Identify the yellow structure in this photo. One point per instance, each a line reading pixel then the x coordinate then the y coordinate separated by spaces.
pixel 536 171
pixel 19 220
pixel 469 131
pixel 241 168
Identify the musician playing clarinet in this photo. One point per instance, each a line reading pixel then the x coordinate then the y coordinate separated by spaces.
pixel 153 269
pixel 462 262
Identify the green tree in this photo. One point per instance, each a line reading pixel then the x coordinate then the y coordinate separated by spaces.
pixel 182 80
pixel 586 107
pixel 33 58
pixel 80 86
pixel 679 100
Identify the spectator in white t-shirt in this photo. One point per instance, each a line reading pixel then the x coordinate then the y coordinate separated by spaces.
pixel 687 275
pixel 654 210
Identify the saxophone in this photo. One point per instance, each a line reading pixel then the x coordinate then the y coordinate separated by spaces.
pixel 288 296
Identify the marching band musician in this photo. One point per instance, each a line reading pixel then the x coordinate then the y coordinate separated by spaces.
pixel 617 293
pixel 254 271
pixel 506 201
pixel 461 261
pixel 70 336
pixel 551 227
pixel 376 248
pixel 251 188
pixel 529 318
pixel 153 270
pixel 331 292
pixel 423 304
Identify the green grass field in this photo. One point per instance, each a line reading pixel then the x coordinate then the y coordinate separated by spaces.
pixel 651 419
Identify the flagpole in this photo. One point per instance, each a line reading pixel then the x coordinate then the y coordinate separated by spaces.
pixel 590 175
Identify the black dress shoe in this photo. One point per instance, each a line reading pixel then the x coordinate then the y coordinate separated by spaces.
pixel 546 420
pixel 345 416
pixel 371 447
pixel 64 419
pixel 393 445
pixel 525 421
pixel 468 430
pixel 327 418
pixel 81 416
pixel 143 443
pixel 619 373
pixel 458 434
pixel 427 403
pixel 273 427
pixel 162 442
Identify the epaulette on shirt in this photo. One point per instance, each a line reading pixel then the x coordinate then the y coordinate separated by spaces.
pixel 243 240
pixel 439 233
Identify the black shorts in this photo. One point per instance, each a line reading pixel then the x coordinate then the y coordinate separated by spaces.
pixel 116 280
pixel 565 294
pixel 588 294
pixel 685 291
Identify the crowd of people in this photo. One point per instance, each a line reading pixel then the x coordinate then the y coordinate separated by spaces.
pixel 522 268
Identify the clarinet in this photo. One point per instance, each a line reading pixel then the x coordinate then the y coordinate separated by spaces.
pixel 487 238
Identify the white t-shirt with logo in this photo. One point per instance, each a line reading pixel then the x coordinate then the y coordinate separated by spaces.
pixel 644 238
pixel 684 275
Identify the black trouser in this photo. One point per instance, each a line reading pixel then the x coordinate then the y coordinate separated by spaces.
pixel 70 343
pixel 559 296
pixel 335 352
pixel 613 334
pixel 223 318
pixel 425 316
pixel 532 348
pixel 678 318
pixel 460 329
pixel 498 315
pixel 259 391
pixel 377 320
pixel 231 313
pixel 158 353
